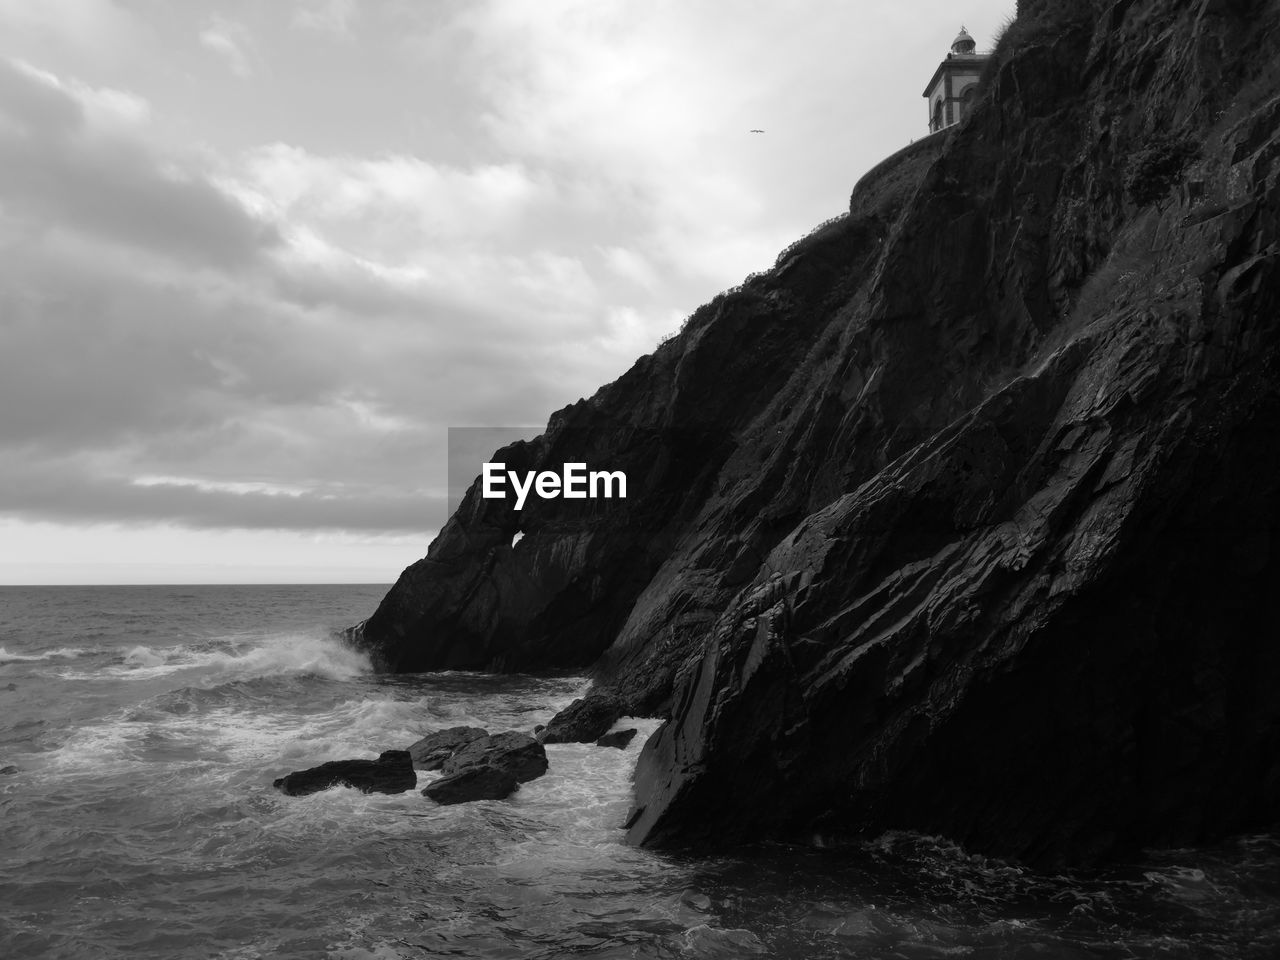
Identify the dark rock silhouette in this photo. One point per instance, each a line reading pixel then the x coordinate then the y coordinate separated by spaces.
pixel 392 772
pixel 964 517
pixel 584 720
pixel 481 782
pixel 517 753
pixel 434 749
pixel 619 738
pixel 9 769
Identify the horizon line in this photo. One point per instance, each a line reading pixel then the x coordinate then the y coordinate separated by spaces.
pixel 215 583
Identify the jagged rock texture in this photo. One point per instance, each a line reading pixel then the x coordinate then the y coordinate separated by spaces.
pixel 392 772
pixel 482 782
pixel 432 751
pixel 965 517
pixel 516 753
pixel 583 721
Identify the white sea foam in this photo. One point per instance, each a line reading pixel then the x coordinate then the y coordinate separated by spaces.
pixel 274 655
pixel 144 657
pixel 303 653
pixel 60 653
pixel 231 741
pixel 586 788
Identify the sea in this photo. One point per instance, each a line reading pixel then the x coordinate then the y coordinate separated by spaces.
pixel 141 729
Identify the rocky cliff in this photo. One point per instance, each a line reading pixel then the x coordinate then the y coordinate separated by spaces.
pixel 964 518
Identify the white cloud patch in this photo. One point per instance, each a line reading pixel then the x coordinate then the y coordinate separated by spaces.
pixel 230 41
pixel 387 203
pixel 106 111
pixel 327 16
pixel 281 345
pixel 98 30
pixel 70 159
pixel 638 100
pixel 631 266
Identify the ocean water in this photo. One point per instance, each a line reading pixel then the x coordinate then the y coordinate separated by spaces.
pixel 147 723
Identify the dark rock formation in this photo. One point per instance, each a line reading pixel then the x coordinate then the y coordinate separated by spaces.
pixel 584 720
pixel 963 518
pixel 517 753
pixel 434 749
pixel 392 772
pixel 10 769
pixel 619 739
pixel 481 782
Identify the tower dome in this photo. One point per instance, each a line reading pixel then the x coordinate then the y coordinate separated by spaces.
pixel 953 88
pixel 963 43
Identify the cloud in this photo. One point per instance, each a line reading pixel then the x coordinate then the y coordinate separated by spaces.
pixel 282 345
pixel 281 335
pixel 69 160
pixel 231 41
pixel 258 306
pixel 98 30
pixel 326 16
pixel 51 492
pixel 389 202
pixel 102 109
pixel 631 266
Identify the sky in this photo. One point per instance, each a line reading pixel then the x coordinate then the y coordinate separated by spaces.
pixel 259 257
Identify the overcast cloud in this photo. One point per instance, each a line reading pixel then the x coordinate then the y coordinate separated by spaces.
pixel 258 257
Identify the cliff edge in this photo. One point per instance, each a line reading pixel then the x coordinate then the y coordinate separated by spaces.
pixel 965 518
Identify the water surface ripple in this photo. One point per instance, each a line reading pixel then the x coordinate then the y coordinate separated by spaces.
pixel 148 723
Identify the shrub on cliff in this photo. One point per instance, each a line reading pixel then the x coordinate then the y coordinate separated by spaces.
pixel 1152 171
pixel 1035 23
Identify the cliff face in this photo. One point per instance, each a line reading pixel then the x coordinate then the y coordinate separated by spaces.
pixel 966 517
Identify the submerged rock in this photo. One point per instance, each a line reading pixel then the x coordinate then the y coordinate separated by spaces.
pixel 10 769
pixel 584 720
pixel 392 772
pixel 517 753
pixel 481 782
pixel 434 749
pixel 619 738
pixel 698 901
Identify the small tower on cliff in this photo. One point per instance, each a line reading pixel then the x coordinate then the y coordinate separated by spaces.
pixel 954 84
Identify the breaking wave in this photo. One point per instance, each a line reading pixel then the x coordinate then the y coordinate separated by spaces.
pixel 313 654
pixel 62 653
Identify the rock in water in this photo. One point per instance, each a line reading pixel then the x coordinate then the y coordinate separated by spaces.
pixel 619 738
pixel 517 753
pixel 10 769
pixel 434 749
pixel 481 782
pixel 584 720
pixel 392 772
pixel 698 901
pixel 965 517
